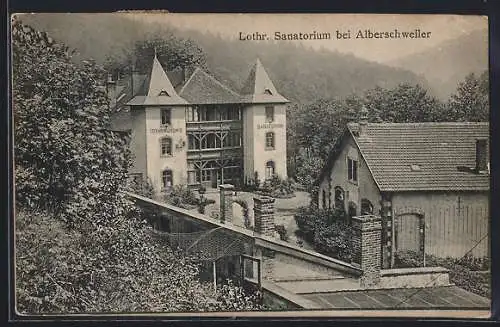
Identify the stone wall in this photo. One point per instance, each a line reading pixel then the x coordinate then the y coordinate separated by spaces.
pixel 414 277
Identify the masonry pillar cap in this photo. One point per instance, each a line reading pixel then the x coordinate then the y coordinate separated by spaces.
pixel 226 187
pixel 264 199
pixel 360 222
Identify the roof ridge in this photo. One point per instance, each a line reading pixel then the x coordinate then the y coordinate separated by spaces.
pixel 220 83
pixel 189 79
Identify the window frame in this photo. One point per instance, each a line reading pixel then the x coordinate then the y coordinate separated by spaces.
pixel 269 117
pixel 163 112
pixel 163 143
pixel 270 164
pixel 352 170
pixel 270 136
pixel 163 179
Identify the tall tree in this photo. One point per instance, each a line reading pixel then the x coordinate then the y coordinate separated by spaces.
pixel 403 104
pixel 66 158
pixel 173 53
pixel 471 100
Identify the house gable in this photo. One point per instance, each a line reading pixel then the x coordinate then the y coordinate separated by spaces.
pixel 338 177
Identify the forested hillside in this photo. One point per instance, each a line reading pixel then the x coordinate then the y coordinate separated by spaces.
pixel 303 75
pixel 445 65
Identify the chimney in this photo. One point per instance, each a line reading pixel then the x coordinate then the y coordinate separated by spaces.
pixel 482 156
pixel 226 202
pixel 367 248
pixel 363 121
pixel 264 215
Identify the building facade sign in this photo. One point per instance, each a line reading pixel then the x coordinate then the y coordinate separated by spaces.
pixel 168 129
pixel 269 125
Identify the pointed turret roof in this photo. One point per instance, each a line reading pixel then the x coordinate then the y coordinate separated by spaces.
pixel 259 88
pixel 156 89
pixel 203 88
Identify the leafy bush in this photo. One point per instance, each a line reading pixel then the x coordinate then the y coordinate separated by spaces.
pixel 233 297
pixel 277 188
pixel 281 230
pixel 326 230
pixel 181 196
pixel 467 272
pixel 119 268
pixel 141 187
pixel 203 202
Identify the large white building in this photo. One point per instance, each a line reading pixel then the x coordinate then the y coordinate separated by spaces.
pixel 197 131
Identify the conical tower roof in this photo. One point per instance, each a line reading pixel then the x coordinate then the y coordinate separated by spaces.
pixel 259 88
pixel 157 89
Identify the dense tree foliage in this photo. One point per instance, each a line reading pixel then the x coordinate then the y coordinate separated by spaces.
pixel 471 100
pixel 120 268
pixel 173 52
pixel 80 245
pixel 404 103
pixel 66 158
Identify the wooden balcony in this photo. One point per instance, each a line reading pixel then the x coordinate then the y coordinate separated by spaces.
pixel 229 152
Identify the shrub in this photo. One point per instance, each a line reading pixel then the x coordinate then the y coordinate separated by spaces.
pixel 281 230
pixel 326 230
pixel 467 272
pixel 141 187
pixel 277 188
pixel 203 202
pixel 181 196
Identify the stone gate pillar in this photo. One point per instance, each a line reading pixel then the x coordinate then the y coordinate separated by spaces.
pixel 264 225
pixel 367 248
pixel 226 202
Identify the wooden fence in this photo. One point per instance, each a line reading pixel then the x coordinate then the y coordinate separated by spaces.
pixel 450 230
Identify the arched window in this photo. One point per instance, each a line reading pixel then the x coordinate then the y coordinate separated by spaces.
pixel 353 210
pixel 270 140
pixel 366 207
pixel 269 169
pixel 163 93
pixel 324 199
pixel 167 179
pixel 268 92
pixel 339 198
pixel 166 146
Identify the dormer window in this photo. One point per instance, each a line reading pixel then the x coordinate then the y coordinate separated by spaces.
pixel 163 93
pixel 268 92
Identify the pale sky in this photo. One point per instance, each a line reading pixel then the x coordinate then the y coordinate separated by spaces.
pixel 442 28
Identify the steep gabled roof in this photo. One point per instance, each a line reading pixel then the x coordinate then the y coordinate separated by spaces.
pixel 156 89
pixel 203 88
pixel 259 88
pixel 421 156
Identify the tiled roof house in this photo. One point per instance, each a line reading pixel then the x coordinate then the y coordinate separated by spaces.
pixel 429 181
pixel 191 129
